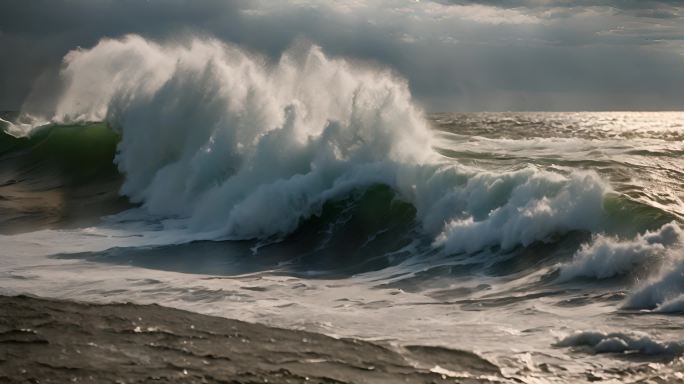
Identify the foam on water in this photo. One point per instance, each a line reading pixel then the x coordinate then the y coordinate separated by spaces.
pixel 620 342
pixel 665 291
pixel 606 257
pixel 658 254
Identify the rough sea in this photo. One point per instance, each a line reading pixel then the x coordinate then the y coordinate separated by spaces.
pixel 312 193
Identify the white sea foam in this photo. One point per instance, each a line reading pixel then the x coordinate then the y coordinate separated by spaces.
pixel 606 257
pixel 660 252
pixel 619 342
pixel 664 292
pixel 673 305
pixel 231 145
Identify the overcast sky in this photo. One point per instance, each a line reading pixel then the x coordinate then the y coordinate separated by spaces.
pixel 465 55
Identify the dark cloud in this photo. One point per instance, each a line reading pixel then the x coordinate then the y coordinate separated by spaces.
pixel 617 4
pixel 457 55
pixel 647 9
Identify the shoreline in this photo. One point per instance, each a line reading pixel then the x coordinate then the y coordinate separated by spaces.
pixel 55 341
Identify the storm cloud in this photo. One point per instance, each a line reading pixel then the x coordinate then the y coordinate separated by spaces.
pixel 456 55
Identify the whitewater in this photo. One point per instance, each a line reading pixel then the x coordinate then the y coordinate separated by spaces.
pixel 312 192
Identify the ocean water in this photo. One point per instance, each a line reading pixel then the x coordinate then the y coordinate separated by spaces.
pixel 314 193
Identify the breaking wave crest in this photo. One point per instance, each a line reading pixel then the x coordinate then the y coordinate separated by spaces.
pixel 620 342
pixel 664 292
pixel 607 257
pixel 657 256
pixel 229 145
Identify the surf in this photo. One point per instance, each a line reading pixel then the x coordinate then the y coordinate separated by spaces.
pixel 328 158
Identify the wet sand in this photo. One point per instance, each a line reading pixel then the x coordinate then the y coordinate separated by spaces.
pixel 52 341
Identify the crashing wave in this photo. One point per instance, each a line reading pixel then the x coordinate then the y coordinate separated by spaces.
pixel 228 145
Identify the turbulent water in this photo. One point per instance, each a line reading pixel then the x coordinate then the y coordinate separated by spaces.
pixel 313 193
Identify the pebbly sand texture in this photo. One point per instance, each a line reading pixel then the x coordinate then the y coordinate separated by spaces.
pixel 51 341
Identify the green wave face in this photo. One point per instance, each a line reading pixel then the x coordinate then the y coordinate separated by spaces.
pixel 60 176
pixel 628 216
pixel 78 152
pixel 354 233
